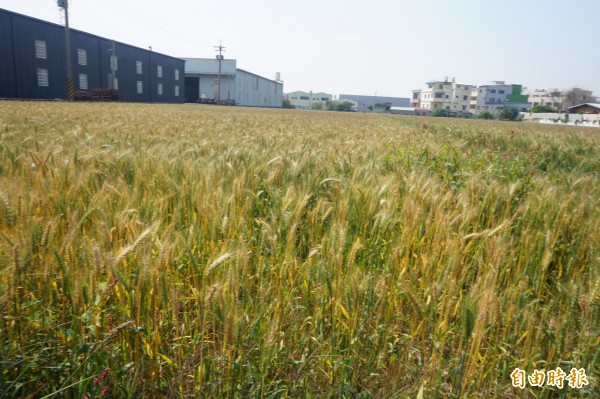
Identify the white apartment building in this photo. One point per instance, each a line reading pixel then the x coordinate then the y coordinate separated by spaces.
pixel 446 95
pixel 496 97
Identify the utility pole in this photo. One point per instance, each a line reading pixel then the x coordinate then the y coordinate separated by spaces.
pixel 64 4
pixel 113 66
pixel 220 49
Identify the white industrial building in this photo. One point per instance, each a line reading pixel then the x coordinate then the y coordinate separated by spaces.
pixel 310 100
pixel 236 85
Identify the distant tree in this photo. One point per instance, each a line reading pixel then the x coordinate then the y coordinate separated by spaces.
pixel 539 108
pixel 508 114
pixel 341 106
pixel 287 104
pixel 317 106
pixel 438 112
pixel 577 96
pixel 486 115
pixel 387 106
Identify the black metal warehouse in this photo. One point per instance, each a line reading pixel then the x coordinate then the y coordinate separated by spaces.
pixel 33 64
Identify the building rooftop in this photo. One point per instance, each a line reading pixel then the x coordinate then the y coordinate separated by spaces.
pixel 595 105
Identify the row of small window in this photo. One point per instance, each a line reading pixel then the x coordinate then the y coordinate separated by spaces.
pixel 308 98
pixel 465 87
pixel 447 96
pixel 493 91
pixel 40 52
pixel 140 88
pixel 464 107
pixel 43 81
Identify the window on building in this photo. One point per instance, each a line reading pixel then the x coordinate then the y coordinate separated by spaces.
pixel 114 62
pixel 140 87
pixel 176 91
pixel 500 91
pixel 81 56
pixel 447 96
pixel 177 74
pixel 440 86
pixel 464 107
pixel 159 71
pixel 465 98
pixel 160 92
pixel 139 68
pixel 83 81
pixel 439 95
pixel 42 77
pixel 116 83
pixel 324 99
pixel 493 91
pixel 40 49
pixel 304 98
pixel 447 107
pixel 492 100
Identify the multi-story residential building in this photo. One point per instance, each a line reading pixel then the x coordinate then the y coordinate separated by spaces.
pixel 310 100
pixel 551 97
pixel 559 99
pixel 447 95
pixel 496 97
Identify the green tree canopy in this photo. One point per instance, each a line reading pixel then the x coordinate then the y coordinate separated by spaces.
pixel 542 108
pixel 438 112
pixel 287 104
pixel 485 114
pixel 343 106
pixel 508 114
pixel 387 106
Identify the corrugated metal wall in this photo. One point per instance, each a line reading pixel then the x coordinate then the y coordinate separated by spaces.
pixel 137 73
pixel 8 83
pixel 255 91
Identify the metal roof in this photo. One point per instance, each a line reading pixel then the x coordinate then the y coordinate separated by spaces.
pixel 595 105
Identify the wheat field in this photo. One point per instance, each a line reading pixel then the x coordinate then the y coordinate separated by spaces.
pixel 185 251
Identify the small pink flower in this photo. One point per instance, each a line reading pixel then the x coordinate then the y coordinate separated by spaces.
pixel 105 391
pixel 96 381
pixel 85 397
pixel 105 373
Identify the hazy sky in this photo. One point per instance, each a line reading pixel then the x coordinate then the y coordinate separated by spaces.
pixel 388 47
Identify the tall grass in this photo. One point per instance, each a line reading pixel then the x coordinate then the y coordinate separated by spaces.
pixel 186 251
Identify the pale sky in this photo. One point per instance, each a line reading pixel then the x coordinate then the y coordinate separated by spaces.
pixel 388 47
